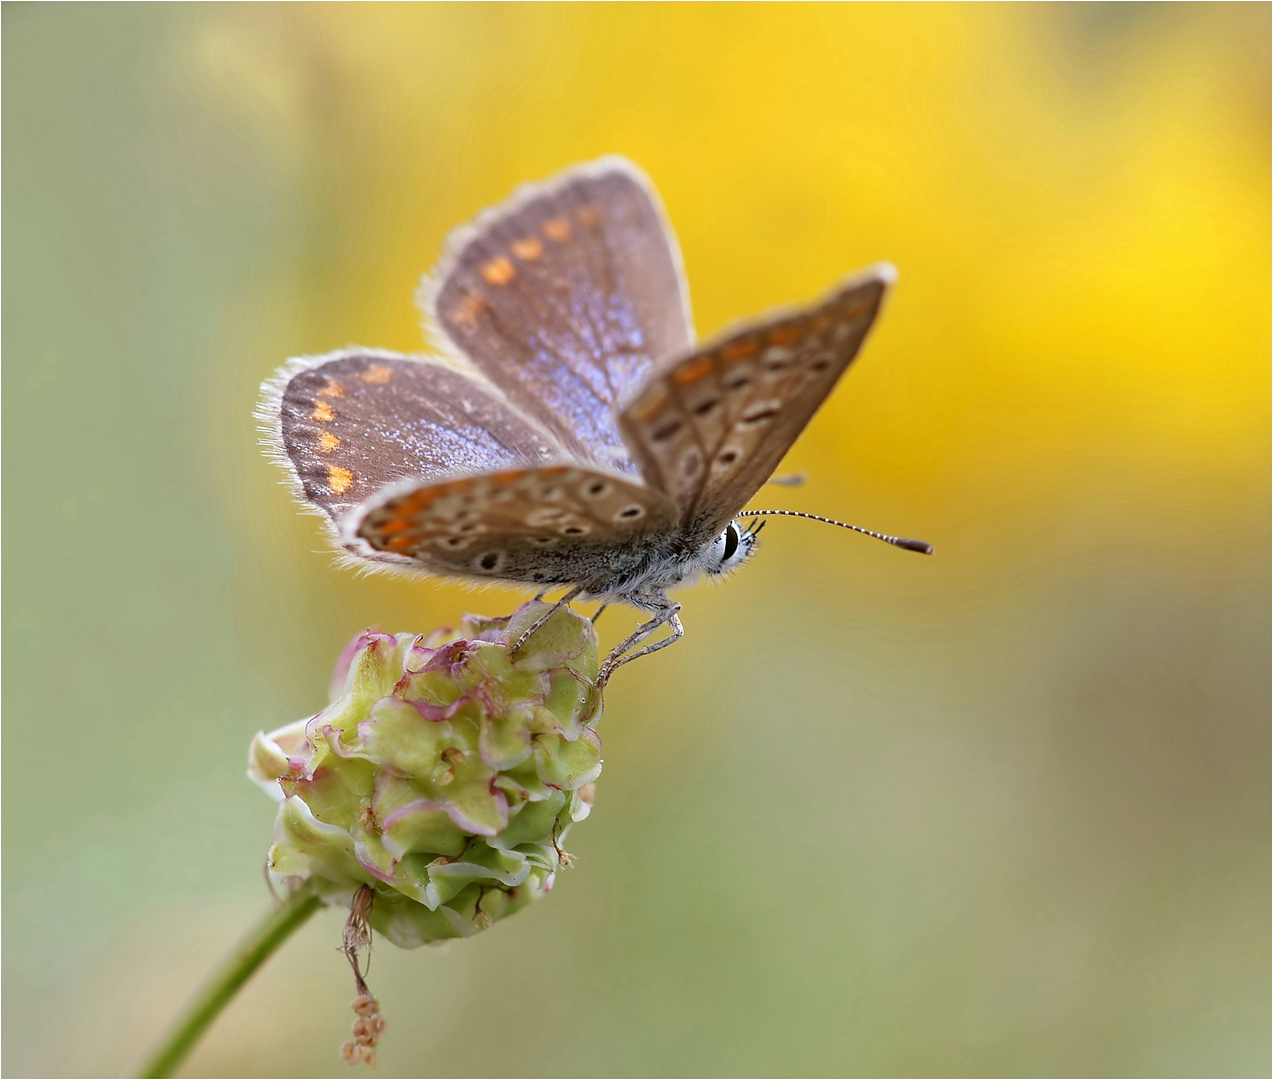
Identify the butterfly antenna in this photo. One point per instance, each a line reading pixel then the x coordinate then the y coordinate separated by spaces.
pixel 921 546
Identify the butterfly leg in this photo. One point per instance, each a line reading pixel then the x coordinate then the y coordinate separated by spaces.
pixel 597 614
pixel 530 630
pixel 669 612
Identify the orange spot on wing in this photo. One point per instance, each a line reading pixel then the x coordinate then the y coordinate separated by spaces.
pixel 740 350
pixel 499 271
pixel 451 487
pixel 338 479
pixel 394 526
pixel 377 375
pixel 784 335
pixel 327 442
pixel 648 404
pixel 414 502
pixel 323 413
pixel 504 479
pixel 400 543
pixel 332 389
pixel 692 371
pixel 528 248
pixel 467 310
pixel 558 229
pixel 588 217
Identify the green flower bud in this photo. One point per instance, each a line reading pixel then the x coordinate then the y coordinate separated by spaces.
pixel 443 775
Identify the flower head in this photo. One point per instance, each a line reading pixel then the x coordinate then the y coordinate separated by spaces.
pixel 443 775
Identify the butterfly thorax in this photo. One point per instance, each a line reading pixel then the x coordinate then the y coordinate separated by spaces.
pixel 660 569
pixel 650 573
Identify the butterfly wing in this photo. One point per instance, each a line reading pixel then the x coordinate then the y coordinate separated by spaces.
pixel 548 525
pixel 710 428
pixel 565 297
pixel 347 425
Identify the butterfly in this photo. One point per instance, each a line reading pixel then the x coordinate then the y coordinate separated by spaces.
pixel 569 431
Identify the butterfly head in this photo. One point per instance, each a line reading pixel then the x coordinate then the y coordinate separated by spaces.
pixel 732 548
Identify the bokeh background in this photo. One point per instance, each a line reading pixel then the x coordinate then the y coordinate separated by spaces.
pixel 1004 811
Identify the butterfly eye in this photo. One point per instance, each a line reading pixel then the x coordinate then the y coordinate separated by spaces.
pixel 729 550
pixel 731 542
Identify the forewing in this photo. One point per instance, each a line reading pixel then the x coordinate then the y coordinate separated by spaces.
pixel 565 297
pixel 548 525
pixel 709 429
pixel 348 425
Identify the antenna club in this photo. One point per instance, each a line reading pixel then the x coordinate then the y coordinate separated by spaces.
pixel 922 546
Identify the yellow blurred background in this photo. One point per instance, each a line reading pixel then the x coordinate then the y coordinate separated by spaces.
pixel 1004 811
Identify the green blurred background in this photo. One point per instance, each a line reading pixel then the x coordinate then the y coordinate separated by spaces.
pixel 1002 811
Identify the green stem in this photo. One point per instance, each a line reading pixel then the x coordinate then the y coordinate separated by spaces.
pixel 224 983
